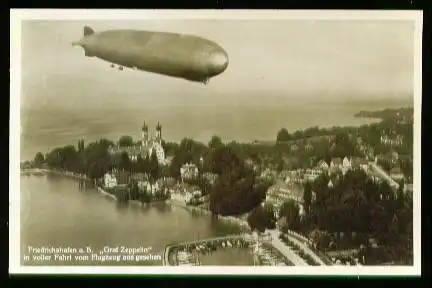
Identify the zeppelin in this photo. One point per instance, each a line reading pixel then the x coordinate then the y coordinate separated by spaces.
pixel 183 56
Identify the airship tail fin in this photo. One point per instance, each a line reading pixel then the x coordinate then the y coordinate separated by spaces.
pixel 88 31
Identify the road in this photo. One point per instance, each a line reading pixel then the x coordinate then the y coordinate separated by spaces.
pixel 384 175
pixel 306 249
pixel 285 250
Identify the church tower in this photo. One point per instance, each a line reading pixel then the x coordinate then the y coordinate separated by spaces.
pixel 144 133
pixel 159 133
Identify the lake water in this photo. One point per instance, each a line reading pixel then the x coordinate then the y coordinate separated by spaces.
pixel 45 129
pixel 56 213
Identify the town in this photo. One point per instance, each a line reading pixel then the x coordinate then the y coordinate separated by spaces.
pixel 347 190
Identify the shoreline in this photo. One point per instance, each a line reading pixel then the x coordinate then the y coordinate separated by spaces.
pixel 242 224
pixel 130 202
pixel 251 139
pixel 35 171
pixel 103 192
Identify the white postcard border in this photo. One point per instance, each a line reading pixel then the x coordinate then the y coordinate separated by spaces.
pixel 18 15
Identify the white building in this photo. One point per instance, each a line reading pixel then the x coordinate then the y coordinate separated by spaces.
pixel 346 164
pixel 396 140
pixel 153 189
pixel 110 180
pixel 312 174
pixel 322 164
pixel 146 147
pixel 188 171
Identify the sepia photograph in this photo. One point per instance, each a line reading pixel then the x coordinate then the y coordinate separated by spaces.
pixel 210 142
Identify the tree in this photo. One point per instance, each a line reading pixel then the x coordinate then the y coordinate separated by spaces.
pixel 307 198
pixel 154 167
pixel 38 160
pixel 142 165
pixel 271 218
pixel 145 196
pixel 225 159
pixel 97 153
pixel 257 219
pixel 188 151
pixel 105 143
pixel 125 163
pixel 125 141
pixel 134 190
pixel 283 135
pixel 170 148
pixel 290 210
pixel 236 190
pixel 215 142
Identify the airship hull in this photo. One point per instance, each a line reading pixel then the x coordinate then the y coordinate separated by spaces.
pixel 184 56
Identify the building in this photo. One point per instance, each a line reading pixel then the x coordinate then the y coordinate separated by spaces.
pixel 312 174
pixel 141 179
pixel 211 177
pixel 394 140
pixel 110 180
pixel 267 174
pixel 322 164
pixel 188 171
pixel 145 147
pixel 308 147
pixel 346 163
pixel 335 165
pixel 294 147
pixel 295 177
pixel 396 174
pixel 116 178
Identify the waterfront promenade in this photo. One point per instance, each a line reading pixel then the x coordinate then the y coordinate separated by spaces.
pixel 302 244
pixel 285 250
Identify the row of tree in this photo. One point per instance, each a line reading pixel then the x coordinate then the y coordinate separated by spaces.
pixel 236 191
pixel 95 160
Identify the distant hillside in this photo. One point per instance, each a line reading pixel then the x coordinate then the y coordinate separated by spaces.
pixel 386 113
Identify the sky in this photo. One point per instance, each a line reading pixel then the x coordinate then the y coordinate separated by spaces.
pixel 270 61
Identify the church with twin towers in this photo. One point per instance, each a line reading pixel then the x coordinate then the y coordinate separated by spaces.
pixel 146 146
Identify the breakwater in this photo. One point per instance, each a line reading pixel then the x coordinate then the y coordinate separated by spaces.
pixel 168 248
